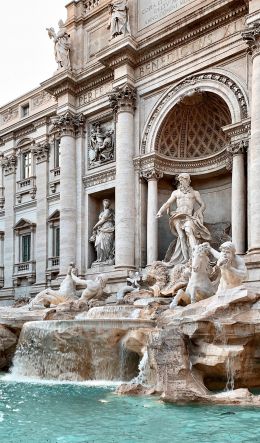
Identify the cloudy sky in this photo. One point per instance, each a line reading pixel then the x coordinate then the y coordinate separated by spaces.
pixel 26 50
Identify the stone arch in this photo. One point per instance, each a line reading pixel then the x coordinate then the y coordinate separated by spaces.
pixel 219 82
pixel 26 141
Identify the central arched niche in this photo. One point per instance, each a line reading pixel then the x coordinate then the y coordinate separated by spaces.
pixel 193 128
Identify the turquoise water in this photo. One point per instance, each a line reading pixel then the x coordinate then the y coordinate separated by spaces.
pixel 69 413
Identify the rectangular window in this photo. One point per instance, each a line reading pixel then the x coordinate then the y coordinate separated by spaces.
pixel 27 165
pixel 26 248
pixel 57 153
pixel 25 110
pixel 56 241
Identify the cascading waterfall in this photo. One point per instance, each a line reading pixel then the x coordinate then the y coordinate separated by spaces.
pixel 229 363
pixel 142 368
pixel 77 350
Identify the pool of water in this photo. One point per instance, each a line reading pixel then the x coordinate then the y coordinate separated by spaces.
pixel 78 413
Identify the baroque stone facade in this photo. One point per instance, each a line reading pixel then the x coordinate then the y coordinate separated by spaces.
pixel 155 93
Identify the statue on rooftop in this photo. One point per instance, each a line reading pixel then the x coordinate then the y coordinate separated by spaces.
pixel 119 18
pixel 186 221
pixel 61 45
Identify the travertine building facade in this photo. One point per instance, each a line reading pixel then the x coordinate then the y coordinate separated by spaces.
pixel 171 86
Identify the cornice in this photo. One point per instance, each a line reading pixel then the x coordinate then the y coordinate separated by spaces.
pixel 62 82
pixel 171 166
pixel 200 16
pixel 100 177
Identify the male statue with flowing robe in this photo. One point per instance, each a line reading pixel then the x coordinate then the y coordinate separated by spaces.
pixel 186 221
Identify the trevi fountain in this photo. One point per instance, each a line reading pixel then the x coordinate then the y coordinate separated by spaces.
pixel 145 323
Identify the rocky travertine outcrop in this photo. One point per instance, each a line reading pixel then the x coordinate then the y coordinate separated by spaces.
pixel 8 340
pixel 209 345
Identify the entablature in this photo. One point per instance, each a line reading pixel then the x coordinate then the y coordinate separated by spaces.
pixel 172 166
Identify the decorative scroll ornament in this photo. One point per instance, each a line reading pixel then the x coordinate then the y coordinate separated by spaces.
pixel 123 99
pixel 252 37
pixel 151 174
pixel 101 145
pixel 68 124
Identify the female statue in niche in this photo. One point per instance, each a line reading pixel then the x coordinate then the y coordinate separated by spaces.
pixel 103 235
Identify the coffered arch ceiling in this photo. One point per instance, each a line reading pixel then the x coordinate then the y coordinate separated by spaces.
pixel 193 128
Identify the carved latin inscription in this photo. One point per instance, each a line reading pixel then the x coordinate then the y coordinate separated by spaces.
pixel 188 49
pixel 150 11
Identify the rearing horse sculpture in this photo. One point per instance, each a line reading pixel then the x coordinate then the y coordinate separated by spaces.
pixel 199 286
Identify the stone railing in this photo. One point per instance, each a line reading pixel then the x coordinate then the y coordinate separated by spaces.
pixel 26 184
pixel 53 262
pixel 90 5
pixel 24 268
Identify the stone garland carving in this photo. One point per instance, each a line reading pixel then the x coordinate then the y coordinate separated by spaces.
pixel 192 80
pixel 119 18
pixel 61 45
pixel 123 99
pixel 252 37
pixel 10 114
pixel 41 99
pixel 103 235
pixel 69 124
pixel 101 145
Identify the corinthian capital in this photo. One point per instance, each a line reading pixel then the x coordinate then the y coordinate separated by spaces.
pixel 238 147
pixel 69 124
pixel 41 151
pixel 9 164
pixel 252 37
pixel 123 99
pixel 151 174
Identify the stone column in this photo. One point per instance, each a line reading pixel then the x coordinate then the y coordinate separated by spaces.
pixel 152 176
pixel 237 150
pixel 41 153
pixel 68 126
pixel 9 164
pixel 252 37
pixel 123 102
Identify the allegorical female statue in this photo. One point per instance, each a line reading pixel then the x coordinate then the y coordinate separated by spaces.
pixel 119 18
pixel 61 45
pixel 103 235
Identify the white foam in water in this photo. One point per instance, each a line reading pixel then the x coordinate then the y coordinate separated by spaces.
pixel 1 417
pixel 88 383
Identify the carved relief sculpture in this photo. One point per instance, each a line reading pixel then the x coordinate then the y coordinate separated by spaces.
pixel 119 18
pixel 103 235
pixel 61 45
pixel 186 222
pixel 101 145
